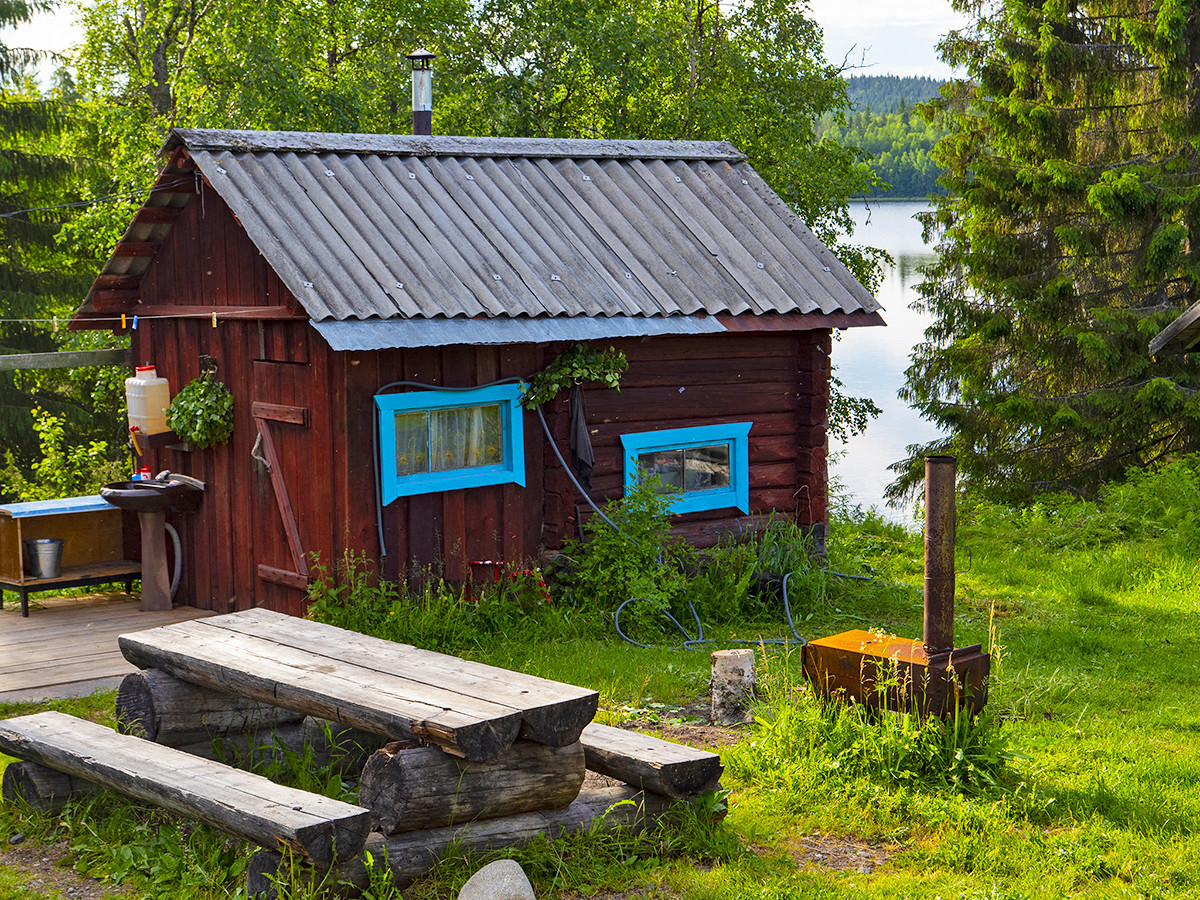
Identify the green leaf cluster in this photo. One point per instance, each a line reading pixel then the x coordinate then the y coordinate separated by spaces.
pixel 1069 236
pixel 202 412
pixel 578 364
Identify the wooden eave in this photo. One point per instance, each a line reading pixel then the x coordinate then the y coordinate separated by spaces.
pixel 1181 336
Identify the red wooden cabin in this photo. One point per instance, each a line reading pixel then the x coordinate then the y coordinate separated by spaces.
pixel 317 268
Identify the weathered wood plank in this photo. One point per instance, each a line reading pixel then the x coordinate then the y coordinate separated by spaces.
pixel 246 805
pixel 416 788
pixel 316 683
pixel 650 763
pixel 551 712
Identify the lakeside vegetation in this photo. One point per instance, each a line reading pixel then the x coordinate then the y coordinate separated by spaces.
pixel 1082 781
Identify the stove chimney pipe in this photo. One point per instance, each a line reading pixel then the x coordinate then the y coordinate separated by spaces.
pixel 939 554
pixel 422 91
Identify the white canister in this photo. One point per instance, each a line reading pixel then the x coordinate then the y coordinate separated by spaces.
pixel 147 397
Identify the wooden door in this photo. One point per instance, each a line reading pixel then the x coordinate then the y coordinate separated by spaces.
pixel 288 493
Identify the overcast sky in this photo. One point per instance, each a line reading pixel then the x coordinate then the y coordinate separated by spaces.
pixel 885 37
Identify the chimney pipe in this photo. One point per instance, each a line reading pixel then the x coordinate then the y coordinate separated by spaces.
pixel 939 554
pixel 422 91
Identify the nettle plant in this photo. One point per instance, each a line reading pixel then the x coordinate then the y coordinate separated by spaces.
pixel 202 412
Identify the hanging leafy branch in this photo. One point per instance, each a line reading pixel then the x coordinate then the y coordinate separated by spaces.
pixel 578 364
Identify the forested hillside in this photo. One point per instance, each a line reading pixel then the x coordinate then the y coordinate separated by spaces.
pixel 896 138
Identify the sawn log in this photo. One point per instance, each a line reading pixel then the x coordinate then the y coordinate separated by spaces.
pixel 650 763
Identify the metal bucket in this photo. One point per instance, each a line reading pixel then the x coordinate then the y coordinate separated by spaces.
pixel 44 557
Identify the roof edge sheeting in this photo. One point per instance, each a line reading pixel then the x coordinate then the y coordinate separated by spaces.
pixel 442 145
pixel 392 334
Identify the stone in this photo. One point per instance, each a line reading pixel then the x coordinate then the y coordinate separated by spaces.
pixel 501 880
pixel 16 839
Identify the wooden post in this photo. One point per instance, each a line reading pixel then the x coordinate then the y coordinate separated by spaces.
pixel 733 682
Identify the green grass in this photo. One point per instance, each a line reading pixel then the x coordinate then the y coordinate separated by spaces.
pixel 1092 786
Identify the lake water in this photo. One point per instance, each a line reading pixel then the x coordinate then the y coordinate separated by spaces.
pixel 871 361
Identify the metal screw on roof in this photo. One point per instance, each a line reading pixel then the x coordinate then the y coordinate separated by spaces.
pixel 628 274
pixel 678 180
pixel 470 178
pixel 826 268
pixel 744 181
pixel 399 285
pixel 222 171
pixel 555 278
pixel 587 177
pixel 412 175
pixel 308 284
pixel 497 277
pixel 329 172
pixel 761 266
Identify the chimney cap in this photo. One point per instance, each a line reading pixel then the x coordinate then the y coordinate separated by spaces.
pixel 421 57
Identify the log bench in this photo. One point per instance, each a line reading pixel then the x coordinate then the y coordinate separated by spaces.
pixel 322 831
pixel 469 709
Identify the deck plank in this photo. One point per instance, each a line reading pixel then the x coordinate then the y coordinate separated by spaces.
pixel 67 647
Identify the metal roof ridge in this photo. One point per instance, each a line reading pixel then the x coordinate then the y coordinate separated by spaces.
pixel 443 145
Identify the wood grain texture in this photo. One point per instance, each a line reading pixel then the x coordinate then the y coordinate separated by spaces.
pixel 416 788
pixel 551 712
pixel 650 763
pixel 319 685
pixel 164 709
pixel 245 805
pixel 42 788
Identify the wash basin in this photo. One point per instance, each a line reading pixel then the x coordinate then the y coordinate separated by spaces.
pixel 150 495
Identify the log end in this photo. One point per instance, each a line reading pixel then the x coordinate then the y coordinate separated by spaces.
pixel 560 724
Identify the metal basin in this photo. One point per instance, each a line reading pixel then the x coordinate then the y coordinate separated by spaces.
pixel 153 496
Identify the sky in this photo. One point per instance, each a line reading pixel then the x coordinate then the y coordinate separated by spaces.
pixel 877 37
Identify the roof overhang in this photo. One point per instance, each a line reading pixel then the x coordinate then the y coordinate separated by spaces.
pixel 1181 336
pixel 390 334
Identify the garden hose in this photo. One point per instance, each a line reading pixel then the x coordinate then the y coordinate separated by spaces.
pixel 691 643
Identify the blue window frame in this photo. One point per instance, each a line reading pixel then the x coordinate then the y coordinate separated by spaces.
pixel 709 464
pixel 433 441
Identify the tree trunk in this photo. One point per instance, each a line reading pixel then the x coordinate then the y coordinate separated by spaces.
pixel 42 788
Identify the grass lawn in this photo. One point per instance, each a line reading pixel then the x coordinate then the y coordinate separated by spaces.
pixel 1085 783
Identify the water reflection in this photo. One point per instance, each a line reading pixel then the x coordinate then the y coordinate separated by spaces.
pixel 871 361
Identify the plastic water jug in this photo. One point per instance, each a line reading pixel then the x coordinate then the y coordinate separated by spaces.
pixel 147 397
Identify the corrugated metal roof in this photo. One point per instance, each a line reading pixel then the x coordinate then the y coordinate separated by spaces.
pixel 384 334
pixel 366 226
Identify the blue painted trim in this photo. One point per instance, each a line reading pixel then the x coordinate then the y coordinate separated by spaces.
pixel 736 434
pixel 512 470
pixel 55 507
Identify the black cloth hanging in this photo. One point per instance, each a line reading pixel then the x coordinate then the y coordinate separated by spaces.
pixel 583 460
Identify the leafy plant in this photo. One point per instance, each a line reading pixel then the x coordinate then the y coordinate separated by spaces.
pixel 578 364
pixel 202 412
pixel 63 471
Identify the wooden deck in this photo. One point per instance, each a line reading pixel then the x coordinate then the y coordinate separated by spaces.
pixel 68 645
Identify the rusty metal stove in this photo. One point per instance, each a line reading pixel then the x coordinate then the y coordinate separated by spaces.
pixel 926 676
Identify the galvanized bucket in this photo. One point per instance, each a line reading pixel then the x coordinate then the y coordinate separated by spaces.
pixel 44 557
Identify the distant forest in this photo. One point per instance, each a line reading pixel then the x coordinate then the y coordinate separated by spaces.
pixel 884 124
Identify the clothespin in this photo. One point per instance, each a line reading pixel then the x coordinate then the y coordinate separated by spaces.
pixel 56 323
pixel 214 319
pixel 135 323
pixel 122 320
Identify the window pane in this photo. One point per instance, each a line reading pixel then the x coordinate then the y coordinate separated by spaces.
pixel 666 464
pixel 706 467
pixel 412 443
pixel 466 438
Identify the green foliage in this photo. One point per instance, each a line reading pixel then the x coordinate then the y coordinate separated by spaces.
pixel 431 613
pixel 798 735
pixel 1071 222
pixel 578 364
pixel 639 559
pixel 202 412
pixel 63 470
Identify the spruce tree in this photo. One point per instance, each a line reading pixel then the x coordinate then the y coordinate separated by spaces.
pixel 1068 239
